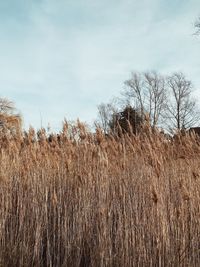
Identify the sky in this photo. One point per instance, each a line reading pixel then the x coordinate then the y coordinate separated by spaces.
pixel 61 58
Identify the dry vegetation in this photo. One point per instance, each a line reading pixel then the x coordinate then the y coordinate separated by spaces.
pixel 83 199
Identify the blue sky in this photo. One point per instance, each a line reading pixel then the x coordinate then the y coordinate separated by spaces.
pixel 61 58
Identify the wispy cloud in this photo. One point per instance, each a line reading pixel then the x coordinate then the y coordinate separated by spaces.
pixel 61 58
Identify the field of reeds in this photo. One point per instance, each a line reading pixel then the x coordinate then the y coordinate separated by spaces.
pixel 85 199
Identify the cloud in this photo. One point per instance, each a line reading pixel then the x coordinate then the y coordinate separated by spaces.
pixel 62 58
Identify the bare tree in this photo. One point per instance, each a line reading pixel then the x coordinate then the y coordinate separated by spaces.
pixel 10 121
pixel 156 96
pixel 147 93
pixel 197 26
pixel 105 116
pixel 6 106
pixel 134 91
pixel 164 101
pixel 181 109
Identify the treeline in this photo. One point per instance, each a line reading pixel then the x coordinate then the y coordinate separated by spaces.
pixel 166 102
pixel 162 102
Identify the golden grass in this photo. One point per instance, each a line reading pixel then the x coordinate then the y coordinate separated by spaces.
pixel 83 199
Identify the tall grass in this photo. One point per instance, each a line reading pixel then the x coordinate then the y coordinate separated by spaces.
pixel 84 199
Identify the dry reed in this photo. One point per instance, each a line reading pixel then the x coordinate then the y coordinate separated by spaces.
pixel 83 199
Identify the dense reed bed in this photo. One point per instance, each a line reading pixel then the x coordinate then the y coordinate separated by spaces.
pixel 83 199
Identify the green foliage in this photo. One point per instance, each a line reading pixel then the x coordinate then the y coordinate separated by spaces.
pixel 128 120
